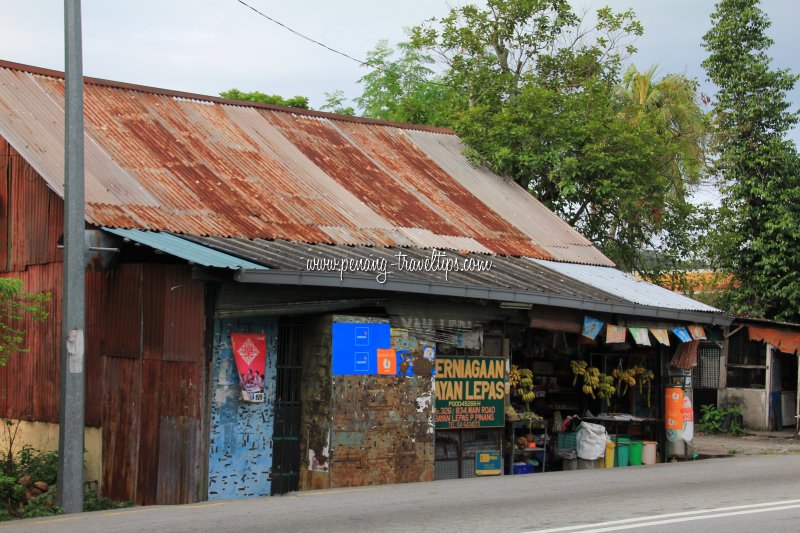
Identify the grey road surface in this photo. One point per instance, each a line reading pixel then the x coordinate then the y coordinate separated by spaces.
pixel 735 494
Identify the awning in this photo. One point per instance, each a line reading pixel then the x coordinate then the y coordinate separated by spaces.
pixel 178 247
pixel 784 340
pixel 626 286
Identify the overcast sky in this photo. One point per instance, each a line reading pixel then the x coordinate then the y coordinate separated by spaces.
pixel 207 46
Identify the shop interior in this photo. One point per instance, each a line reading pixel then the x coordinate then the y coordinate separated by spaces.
pixel 558 379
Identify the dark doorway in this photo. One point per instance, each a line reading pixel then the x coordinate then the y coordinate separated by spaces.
pixel 286 437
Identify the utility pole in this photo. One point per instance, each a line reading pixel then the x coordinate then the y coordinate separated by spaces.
pixel 71 423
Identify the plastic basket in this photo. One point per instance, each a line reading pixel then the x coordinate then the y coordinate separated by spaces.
pixel 567 441
pixel 523 468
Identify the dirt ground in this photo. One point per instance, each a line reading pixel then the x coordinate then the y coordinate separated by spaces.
pixel 751 443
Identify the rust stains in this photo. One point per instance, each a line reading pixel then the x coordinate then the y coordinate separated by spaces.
pixel 169 161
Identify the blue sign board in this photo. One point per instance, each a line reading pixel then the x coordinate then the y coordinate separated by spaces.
pixel 355 347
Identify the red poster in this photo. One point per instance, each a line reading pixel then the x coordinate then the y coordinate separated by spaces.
pixel 250 353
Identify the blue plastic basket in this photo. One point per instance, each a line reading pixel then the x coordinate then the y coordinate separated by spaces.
pixel 523 468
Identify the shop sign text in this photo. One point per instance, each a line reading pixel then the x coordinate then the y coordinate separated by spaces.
pixel 470 392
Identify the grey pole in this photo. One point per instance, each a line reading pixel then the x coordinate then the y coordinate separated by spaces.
pixel 70 431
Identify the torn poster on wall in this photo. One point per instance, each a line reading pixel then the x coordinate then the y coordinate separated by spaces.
pixel 250 353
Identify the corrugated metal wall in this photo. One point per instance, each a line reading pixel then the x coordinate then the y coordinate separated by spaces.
pixel 145 360
pixel 152 347
pixel 31 215
pixel 240 448
pixel 150 407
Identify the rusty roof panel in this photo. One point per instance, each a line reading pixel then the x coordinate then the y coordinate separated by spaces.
pixel 162 160
pixel 510 201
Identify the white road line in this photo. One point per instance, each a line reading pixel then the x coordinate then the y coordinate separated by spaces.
pixel 684 516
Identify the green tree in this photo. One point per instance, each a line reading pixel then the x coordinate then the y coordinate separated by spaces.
pixel 537 94
pixel 404 89
pixel 335 102
pixel 670 105
pixel 14 306
pixel 758 225
pixel 261 98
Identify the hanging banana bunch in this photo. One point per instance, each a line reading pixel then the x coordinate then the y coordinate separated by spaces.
pixel 578 368
pixel 606 389
pixel 521 380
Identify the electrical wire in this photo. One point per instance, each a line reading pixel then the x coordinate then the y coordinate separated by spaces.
pixel 323 45
pixel 307 38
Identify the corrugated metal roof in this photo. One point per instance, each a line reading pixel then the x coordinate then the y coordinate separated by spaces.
pixel 169 161
pixel 178 247
pixel 625 286
pixel 505 272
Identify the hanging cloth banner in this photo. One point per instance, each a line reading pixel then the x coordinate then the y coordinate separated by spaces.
pixel 640 336
pixel 682 334
pixel 698 333
pixel 250 354
pixel 615 334
pixel 591 327
pixel 661 335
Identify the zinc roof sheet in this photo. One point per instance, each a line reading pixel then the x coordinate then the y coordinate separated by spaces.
pixel 161 160
pixel 625 286
pixel 506 272
pixel 187 250
pixel 508 279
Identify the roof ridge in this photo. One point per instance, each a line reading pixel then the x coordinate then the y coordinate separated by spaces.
pixel 31 69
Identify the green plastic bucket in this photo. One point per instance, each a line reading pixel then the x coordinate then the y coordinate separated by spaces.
pixel 635 453
pixel 621 452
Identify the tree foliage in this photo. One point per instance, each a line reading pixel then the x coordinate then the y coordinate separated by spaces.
pixel 15 305
pixel 335 102
pixel 262 98
pixel 404 88
pixel 538 94
pixel 758 228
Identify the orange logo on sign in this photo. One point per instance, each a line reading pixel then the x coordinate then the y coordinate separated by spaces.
pixel 387 361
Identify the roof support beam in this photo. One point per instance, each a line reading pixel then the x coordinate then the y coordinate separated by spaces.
pixel 318 279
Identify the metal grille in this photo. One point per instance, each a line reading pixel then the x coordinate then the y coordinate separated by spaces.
pixel 286 437
pixel 456 449
pixel 477 440
pixel 747 362
pixel 447 454
pixel 743 351
pixel 747 377
pixel 446 469
pixel 706 374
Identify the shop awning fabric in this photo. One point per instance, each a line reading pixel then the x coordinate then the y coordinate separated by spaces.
pixel 784 340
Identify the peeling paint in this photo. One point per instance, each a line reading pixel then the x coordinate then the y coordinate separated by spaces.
pixel 322 464
pixel 424 402
pixel 240 447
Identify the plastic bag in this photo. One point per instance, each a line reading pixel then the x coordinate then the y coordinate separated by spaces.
pixel 591 441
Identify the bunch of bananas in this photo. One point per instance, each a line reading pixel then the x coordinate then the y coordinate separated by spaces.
pixel 578 368
pixel 625 379
pixel 521 380
pixel 514 376
pixel 606 389
pixel 644 377
pixel 594 381
pixel 592 377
